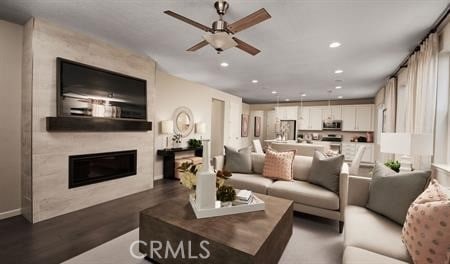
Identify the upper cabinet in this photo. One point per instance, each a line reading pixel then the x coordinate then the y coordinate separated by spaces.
pixel 335 111
pixel 287 112
pixel 357 118
pixel 310 118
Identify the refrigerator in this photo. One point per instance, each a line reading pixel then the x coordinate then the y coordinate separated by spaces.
pixel 289 127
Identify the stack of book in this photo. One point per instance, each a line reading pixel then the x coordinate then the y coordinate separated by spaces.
pixel 243 197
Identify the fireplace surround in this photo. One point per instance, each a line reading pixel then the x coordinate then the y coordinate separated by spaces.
pixel 93 168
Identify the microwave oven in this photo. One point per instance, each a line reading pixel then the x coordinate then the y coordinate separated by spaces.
pixel 333 125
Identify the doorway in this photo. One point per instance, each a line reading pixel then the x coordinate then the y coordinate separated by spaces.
pixel 217 127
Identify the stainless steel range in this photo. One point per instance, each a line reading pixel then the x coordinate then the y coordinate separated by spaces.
pixel 335 142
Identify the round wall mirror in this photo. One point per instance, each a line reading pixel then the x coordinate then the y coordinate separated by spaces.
pixel 184 121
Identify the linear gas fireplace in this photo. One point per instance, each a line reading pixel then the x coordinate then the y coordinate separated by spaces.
pixel 99 167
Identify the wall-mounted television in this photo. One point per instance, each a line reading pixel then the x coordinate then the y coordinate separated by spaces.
pixel 88 91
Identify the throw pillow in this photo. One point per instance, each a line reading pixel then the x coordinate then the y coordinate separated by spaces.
pixel 239 161
pixel 278 165
pixel 325 171
pixel 391 193
pixel 426 232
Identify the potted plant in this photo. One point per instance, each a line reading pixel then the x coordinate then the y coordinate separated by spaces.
pixel 176 139
pixel 393 165
pixel 195 143
pixel 226 195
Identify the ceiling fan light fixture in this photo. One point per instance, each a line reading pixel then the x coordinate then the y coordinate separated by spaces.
pixel 220 41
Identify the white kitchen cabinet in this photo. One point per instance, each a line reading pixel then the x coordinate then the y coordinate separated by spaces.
pixel 270 125
pixel 311 118
pixel 287 112
pixel 335 111
pixel 349 150
pixel 364 117
pixel 357 118
pixel 315 118
pixel 348 118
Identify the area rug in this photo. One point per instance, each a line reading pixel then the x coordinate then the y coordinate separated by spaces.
pixel 314 241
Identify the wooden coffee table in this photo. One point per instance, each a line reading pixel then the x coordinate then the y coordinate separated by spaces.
pixel 256 237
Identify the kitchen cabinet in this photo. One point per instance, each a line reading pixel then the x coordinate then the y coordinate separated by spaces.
pixel 349 150
pixel 310 118
pixel 287 112
pixel 357 118
pixel 335 111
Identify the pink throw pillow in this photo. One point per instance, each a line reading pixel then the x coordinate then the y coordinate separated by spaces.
pixel 426 231
pixel 278 165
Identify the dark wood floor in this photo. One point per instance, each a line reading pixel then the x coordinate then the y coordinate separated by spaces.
pixel 63 237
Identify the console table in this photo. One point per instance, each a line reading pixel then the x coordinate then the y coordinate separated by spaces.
pixel 169 159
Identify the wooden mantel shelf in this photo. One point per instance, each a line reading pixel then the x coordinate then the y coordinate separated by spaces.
pixel 84 124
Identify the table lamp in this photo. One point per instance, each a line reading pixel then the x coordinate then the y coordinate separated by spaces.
pixel 406 144
pixel 167 129
pixel 200 128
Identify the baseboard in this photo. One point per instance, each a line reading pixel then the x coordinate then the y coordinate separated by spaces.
pixel 11 213
pixel 157 177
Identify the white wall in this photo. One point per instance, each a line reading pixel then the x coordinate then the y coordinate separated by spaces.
pixel 10 117
pixel 173 92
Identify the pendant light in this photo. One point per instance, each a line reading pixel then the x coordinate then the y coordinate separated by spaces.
pixel 329 119
pixel 277 119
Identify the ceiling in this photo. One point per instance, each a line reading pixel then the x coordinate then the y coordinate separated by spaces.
pixel 376 36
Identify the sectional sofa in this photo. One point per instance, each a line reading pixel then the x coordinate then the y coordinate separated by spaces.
pixel 307 197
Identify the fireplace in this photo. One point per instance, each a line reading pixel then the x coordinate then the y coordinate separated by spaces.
pixel 99 167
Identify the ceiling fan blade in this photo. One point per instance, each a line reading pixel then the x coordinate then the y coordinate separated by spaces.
pixel 246 47
pixel 249 21
pixel 197 46
pixel 189 21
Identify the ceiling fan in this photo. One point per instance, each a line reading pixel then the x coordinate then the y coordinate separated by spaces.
pixel 221 34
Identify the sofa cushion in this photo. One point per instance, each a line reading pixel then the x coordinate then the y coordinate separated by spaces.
pixel 426 232
pixel 238 160
pixel 305 193
pixel 353 255
pixel 258 162
pixel 391 194
pixel 370 231
pixel 325 171
pixel 278 165
pixel 302 167
pixel 252 182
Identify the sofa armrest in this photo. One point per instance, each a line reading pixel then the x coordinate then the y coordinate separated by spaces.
pixel 358 190
pixel 218 162
pixel 343 189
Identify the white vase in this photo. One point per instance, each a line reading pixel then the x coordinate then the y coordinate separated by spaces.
pixel 206 182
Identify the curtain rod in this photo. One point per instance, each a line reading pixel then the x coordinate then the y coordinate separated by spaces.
pixel 433 29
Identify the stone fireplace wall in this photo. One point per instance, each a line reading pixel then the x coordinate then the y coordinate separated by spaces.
pixel 45 155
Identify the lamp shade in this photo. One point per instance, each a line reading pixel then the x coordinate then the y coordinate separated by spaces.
pixel 200 128
pixel 407 144
pixel 167 127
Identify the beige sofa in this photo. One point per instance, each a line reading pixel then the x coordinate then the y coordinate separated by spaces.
pixel 307 197
pixel 368 236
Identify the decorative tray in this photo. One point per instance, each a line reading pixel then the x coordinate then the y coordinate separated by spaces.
pixel 255 205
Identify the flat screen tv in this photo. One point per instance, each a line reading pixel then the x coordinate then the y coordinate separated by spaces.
pixel 88 91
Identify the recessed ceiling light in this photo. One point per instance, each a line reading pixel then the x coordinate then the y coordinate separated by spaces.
pixel 274 92
pixel 340 97
pixel 335 44
pixel 338 87
pixel 303 95
pixel 287 99
pixel 224 64
pixel 338 71
pixel 254 81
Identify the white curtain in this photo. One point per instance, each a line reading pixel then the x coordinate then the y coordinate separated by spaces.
pixel 390 103
pixel 421 93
